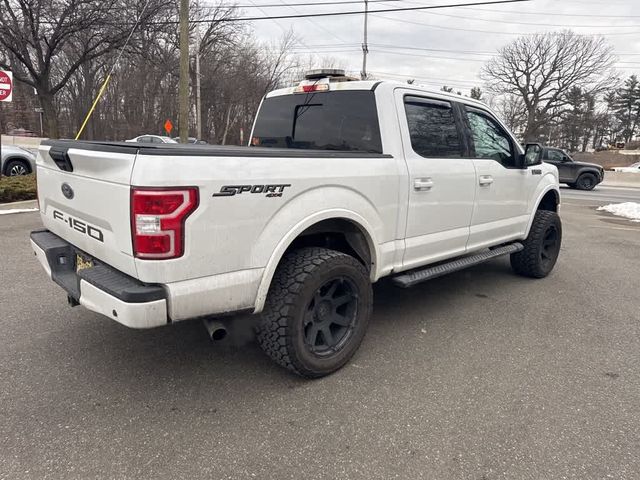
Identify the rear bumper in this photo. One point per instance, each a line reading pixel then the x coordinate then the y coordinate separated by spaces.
pixel 100 288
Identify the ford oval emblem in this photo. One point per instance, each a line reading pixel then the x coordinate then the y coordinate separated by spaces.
pixel 67 191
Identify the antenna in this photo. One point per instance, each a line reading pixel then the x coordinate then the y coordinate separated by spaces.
pixel 365 46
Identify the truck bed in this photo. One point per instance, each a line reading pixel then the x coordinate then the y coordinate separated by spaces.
pixel 172 149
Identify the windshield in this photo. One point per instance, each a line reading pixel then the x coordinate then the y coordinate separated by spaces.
pixel 346 121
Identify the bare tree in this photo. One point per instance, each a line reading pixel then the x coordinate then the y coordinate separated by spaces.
pixel 542 69
pixel 511 110
pixel 49 40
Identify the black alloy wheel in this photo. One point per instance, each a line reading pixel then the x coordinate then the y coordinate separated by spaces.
pixel 330 316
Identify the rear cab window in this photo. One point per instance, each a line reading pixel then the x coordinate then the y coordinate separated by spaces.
pixel 334 120
pixel 432 128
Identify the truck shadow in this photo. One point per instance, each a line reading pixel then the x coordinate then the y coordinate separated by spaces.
pixel 184 355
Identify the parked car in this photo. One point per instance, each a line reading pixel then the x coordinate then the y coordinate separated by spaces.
pixel 152 139
pixel 580 175
pixel 15 160
pixel 193 140
pixel 376 179
pixel 633 168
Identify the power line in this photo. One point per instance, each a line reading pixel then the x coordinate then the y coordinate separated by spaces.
pixel 284 30
pixel 553 14
pixel 334 14
pixel 431 80
pixel 403 47
pixel 304 4
pixel 317 25
pixel 456 59
pixel 475 19
pixel 493 32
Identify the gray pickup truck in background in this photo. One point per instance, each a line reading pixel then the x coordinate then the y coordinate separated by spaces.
pixel 580 175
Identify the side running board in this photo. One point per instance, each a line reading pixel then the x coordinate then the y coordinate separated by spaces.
pixel 406 280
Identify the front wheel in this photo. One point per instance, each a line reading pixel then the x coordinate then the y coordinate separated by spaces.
pixel 317 311
pixel 586 181
pixel 541 247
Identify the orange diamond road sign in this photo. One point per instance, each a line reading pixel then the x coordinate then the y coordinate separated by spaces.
pixel 168 126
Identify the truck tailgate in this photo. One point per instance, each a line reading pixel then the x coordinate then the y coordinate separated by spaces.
pixel 84 196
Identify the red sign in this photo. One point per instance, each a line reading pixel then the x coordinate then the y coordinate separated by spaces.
pixel 6 86
pixel 168 126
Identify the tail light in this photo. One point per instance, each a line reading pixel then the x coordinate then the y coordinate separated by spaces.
pixel 157 220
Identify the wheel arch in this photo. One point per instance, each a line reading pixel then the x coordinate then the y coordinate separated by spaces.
pixel 547 199
pixel 18 158
pixel 342 230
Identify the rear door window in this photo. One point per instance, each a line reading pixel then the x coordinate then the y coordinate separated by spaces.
pixel 346 121
pixel 554 155
pixel 432 128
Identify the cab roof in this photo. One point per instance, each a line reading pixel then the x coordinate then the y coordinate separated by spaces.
pixel 389 85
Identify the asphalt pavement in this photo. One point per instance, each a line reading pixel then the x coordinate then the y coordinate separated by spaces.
pixel 601 195
pixel 478 375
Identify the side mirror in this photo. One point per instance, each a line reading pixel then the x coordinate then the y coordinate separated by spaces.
pixel 565 159
pixel 532 155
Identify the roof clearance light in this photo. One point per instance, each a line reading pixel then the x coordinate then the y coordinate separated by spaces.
pixel 318 87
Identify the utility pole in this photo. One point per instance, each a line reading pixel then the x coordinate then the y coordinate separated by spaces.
pixel 183 90
pixel 365 47
pixel 198 107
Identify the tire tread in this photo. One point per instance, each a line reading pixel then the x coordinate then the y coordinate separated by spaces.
pixel 527 262
pixel 289 278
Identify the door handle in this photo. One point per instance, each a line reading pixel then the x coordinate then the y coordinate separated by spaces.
pixel 485 180
pixel 422 184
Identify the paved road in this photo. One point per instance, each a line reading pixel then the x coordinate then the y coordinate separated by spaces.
pixel 478 375
pixel 602 195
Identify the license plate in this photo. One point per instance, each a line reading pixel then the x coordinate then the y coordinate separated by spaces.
pixel 82 263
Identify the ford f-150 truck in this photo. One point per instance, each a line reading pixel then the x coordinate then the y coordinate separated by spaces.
pixel 344 182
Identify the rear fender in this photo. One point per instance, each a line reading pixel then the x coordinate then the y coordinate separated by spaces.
pixel 274 244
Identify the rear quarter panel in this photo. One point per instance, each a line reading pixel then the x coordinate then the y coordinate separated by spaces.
pixel 249 230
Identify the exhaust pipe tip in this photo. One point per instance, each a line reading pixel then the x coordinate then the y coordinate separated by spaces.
pixel 219 334
pixel 216 329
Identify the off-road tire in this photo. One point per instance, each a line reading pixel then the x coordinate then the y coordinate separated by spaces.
pixel 539 256
pixel 586 181
pixel 294 288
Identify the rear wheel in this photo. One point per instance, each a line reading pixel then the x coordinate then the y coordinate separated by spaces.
pixel 541 247
pixel 586 181
pixel 317 311
pixel 16 167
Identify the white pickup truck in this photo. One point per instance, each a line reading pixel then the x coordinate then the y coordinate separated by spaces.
pixel 344 182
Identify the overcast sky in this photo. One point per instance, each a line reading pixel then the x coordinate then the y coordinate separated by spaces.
pixel 445 46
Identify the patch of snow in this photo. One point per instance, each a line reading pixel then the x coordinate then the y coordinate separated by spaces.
pixel 629 210
pixel 17 210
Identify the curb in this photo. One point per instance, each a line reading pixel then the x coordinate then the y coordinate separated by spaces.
pixel 25 204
